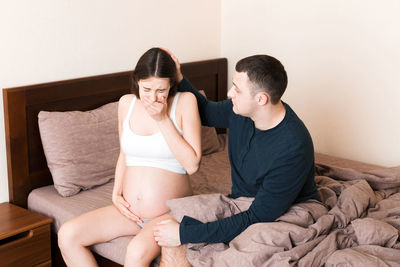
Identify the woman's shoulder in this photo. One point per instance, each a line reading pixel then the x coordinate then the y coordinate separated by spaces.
pixel 187 103
pixel 187 98
pixel 126 100
pixel 124 103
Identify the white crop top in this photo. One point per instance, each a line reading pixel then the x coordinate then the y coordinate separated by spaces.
pixel 149 150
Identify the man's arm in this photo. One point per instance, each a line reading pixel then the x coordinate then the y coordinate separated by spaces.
pixel 276 194
pixel 213 114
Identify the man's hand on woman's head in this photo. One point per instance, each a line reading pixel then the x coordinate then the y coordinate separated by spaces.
pixel 178 65
pixel 166 233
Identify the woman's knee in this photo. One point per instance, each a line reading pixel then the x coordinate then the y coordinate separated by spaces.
pixel 134 253
pixel 68 234
pixel 137 252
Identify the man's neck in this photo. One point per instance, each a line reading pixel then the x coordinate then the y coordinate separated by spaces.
pixel 269 116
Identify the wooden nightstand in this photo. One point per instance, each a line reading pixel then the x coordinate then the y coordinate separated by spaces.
pixel 24 237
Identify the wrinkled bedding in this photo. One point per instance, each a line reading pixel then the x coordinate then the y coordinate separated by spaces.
pixel 357 224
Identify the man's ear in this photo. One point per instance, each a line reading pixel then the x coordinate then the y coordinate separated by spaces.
pixel 262 98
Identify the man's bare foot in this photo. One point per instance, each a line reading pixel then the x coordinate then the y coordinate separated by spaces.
pixel 174 256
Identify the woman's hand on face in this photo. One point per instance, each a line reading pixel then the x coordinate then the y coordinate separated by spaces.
pixel 124 208
pixel 156 109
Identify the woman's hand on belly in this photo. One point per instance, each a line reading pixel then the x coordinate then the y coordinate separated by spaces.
pixel 125 208
pixel 147 204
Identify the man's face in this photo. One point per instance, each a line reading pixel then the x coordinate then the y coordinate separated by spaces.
pixel 240 93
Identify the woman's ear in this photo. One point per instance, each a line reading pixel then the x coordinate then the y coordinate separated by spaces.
pixel 262 98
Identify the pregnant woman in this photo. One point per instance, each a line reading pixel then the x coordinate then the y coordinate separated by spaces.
pixel 159 131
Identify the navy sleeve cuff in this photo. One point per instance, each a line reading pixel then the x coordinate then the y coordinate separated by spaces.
pixel 186 228
pixel 184 85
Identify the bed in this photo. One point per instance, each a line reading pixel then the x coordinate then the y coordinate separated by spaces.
pixel 31 184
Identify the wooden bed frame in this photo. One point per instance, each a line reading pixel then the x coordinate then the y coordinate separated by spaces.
pixel 26 162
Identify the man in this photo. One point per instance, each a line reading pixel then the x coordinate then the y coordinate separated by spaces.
pixel 270 151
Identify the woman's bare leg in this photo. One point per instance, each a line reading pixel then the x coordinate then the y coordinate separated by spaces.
pixel 143 249
pixel 96 226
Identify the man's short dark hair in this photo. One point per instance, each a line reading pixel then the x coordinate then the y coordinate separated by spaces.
pixel 266 73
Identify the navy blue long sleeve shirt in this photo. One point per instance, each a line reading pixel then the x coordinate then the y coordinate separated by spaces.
pixel 274 166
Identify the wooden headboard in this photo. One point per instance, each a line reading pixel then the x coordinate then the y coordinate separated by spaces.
pixel 26 162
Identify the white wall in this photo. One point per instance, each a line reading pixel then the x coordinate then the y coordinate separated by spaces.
pixel 342 56
pixel 49 40
pixel 343 63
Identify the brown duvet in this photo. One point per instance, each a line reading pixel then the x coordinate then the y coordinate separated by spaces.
pixel 357 224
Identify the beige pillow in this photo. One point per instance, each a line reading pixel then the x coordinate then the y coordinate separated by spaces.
pixel 209 139
pixel 81 148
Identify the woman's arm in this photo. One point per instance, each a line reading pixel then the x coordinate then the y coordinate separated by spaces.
pixel 117 197
pixel 186 147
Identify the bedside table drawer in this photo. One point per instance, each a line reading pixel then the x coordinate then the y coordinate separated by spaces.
pixel 27 248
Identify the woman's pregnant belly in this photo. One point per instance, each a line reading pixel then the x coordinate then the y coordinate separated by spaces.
pixel 147 189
